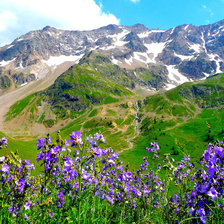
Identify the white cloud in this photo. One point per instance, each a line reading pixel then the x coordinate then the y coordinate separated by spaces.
pixel 7 19
pixel 18 17
pixel 135 1
pixel 68 14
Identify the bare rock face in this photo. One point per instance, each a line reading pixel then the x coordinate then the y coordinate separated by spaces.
pixel 177 55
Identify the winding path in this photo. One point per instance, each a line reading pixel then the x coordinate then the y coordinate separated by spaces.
pixel 137 132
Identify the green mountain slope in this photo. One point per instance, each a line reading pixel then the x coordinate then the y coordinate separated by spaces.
pixel 94 81
pixel 154 77
pixel 97 96
pixel 74 92
pixel 183 120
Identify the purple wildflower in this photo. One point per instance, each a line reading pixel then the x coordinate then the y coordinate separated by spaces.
pixel 27 206
pixel 212 193
pixel 26 217
pixel 40 143
pixel 5 168
pixel 3 142
pixel 76 139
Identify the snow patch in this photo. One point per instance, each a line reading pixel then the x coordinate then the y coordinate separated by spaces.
pixel 155 49
pixel 183 57
pixel 20 39
pixel 209 41
pixel 206 74
pixel 10 46
pixel 169 86
pixel 114 61
pixel 203 41
pixel 185 28
pixel 148 89
pixel 57 60
pixel 21 65
pixel 215 57
pixel 175 76
pixel 172 31
pixel 118 38
pixel 195 47
pixel 157 31
pixel 129 61
pixel 144 34
pixel 93 48
pixel 4 63
pixel 215 34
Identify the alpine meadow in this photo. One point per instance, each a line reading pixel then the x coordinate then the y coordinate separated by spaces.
pixel 114 124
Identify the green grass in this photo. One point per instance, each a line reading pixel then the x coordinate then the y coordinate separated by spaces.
pixel 178 119
pixel 18 107
pixel 179 125
pixel 75 91
pixel 26 150
pixel 93 113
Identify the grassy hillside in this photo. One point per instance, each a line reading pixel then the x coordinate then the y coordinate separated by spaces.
pixel 183 120
pixel 116 121
pixel 73 93
pixel 95 96
pixel 94 81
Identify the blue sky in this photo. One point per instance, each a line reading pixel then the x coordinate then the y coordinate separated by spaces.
pixel 165 14
pixel 18 17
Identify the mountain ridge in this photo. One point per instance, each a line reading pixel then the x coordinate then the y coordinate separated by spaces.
pixel 128 46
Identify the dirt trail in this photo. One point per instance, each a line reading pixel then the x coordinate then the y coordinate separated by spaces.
pixel 7 100
pixel 137 132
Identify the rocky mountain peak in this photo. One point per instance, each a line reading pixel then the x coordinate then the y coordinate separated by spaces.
pixel 184 53
pixel 46 28
pixel 138 28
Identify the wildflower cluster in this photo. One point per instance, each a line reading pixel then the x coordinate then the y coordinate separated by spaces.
pixel 207 197
pixel 84 182
pixel 15 179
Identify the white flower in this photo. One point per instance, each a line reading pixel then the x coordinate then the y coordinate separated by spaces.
pixel 2 159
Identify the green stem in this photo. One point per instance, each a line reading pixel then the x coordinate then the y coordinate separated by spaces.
pixel 122 211
pixel 5 148
pixel 189 219
pixel 94 210
pixel 79 212
pixel 98 207
pixel 106 214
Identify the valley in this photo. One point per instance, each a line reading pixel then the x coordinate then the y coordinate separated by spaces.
pixel 132 84
pixel 182 123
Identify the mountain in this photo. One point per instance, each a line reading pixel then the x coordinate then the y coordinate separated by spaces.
pixel 181 54
pixel 93 82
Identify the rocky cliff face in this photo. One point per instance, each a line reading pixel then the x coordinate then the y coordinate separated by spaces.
pixel 174 56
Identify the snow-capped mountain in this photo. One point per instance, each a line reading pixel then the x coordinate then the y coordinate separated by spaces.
pixel 182 54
